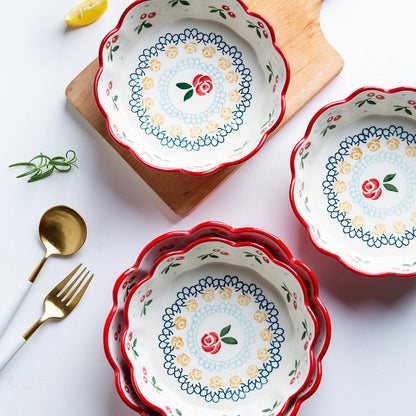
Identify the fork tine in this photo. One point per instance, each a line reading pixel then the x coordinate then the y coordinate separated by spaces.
pixel 77 298
pixel 66 299
pixel 62 284
pixel 69 287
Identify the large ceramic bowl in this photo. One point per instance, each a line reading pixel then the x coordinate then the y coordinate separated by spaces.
pixel 191 86
pixel 354 181
pixel 177 240
pixel 219 327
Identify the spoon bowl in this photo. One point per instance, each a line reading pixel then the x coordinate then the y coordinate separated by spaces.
pixel 62 231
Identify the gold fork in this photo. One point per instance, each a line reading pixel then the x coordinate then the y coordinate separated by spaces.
pixel 58 304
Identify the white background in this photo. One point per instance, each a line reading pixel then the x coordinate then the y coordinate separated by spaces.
pixel 370 366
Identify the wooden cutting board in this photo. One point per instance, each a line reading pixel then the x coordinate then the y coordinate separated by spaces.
pixel 313 63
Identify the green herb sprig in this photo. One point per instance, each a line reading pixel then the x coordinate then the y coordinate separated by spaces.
pixel 42 166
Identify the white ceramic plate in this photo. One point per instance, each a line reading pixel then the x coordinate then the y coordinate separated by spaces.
pixel 191 85
pixel 354 181
pixel 219 328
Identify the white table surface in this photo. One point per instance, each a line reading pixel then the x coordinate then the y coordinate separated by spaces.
pixel 370 366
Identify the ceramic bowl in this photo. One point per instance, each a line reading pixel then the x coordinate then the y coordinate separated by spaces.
pixel 191 86
pixel 219 327
pixel 354 181
pixel 178 240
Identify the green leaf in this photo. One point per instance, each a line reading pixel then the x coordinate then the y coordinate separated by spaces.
pixel 147 24
pixel 304 335
pixel 331 126
pixel 134 342
pixel 148 302
pixel 139 28
pixel 115 48
pixel 188 95
pixel 178 412
pixel 292 373
pixel 185 3
pixel 183 85
pixel 371 102
pixel 229 340
pixel 225 331
pixel 388 178
pixel 214 10
pixel 266 410
pixel 360 103
pixel 153 380
pixel 221 13
pixel 398 109
pixel 258 32
pixel 270 77
pixel 390 187
pixel 408 111
pixel 257 260
pixel 41 175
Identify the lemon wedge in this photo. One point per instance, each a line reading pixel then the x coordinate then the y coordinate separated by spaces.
pixel 86 12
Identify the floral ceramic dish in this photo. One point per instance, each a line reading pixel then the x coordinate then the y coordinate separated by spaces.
pixel 191 86
pixel 177 240
pixel 354 181
pixel 219 327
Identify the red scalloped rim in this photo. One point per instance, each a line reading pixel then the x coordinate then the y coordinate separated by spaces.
pixel 221 165
pixel 219 228
pixel 293 180
pixel 184 251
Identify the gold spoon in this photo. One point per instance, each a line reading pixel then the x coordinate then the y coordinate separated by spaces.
pixel 62 231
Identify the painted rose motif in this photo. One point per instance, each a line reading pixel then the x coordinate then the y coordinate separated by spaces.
pixel 195 374
pixel 211 343
pixel 235 382
pixel 201 84
pixel 371 189
pixel 215 382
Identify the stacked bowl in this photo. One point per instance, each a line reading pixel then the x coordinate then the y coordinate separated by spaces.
pixel 216 320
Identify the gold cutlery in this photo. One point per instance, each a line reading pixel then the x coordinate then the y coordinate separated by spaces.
pixel 58 304
pixel 62 231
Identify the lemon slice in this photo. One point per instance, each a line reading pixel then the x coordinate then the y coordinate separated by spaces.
pixel 86 12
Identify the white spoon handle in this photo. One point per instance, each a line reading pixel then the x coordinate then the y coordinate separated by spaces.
pixel 8 349
pixel 10 307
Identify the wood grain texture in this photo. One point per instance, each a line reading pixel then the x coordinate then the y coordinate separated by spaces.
pixel 313 63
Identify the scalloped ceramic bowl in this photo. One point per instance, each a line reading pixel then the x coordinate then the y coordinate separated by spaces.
pixel 354 181
pixel 177 240
pixel 219 327
pixel 191 86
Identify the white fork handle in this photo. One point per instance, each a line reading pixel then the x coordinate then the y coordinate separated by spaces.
pixel 8 349
pixel 9 308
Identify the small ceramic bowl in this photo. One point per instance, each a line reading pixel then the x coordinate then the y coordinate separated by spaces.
pixel 219 327
pixel 177 240
pixel 191 86
pixel 354 181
